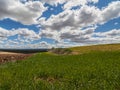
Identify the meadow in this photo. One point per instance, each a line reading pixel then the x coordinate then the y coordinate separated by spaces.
pixel 90 68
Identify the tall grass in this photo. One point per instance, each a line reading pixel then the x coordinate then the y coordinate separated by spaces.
pixel 89 71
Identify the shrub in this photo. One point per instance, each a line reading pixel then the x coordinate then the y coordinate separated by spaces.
pixel 61 51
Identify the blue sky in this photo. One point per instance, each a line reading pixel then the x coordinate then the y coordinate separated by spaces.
pixel 58 23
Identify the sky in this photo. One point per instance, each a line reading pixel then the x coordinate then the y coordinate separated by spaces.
pixel 58 23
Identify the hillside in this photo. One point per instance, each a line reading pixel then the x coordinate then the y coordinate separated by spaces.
pixel 104 47
pixel 85 49
pixel 92 68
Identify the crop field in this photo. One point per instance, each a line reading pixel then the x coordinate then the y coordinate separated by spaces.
pixel 87 68
pixel 12 57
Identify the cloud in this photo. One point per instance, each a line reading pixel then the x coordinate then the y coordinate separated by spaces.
pixel 69 23
pixel 72 3
pixel 86 16
pixel 69 26
pixel 1 42
pixel 68 34
pixel 71 34
pixel 112 36
pixel 83 37
pixel 18 45
pixel 44 44
pixel 21 32
pixel 68 3
pixel 25 13
pixel 116 23
pixel 111 11
pixel 112 33
pixel 83 17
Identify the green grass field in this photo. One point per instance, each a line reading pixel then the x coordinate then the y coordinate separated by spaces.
pixel 93 68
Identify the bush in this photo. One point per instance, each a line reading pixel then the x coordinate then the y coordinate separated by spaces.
pixel 61 51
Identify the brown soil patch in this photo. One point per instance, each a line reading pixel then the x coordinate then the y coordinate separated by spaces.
pixel 7 56
pixel 75 53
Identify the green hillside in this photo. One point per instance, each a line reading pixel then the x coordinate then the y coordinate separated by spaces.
pixel 106 47
pixel 87 68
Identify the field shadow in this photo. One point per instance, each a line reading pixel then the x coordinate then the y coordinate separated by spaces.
pixel 24 51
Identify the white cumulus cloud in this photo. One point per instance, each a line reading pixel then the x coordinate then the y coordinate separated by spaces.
pixel 25 13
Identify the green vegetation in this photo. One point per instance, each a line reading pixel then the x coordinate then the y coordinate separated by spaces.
pixel 87 49
pixel 98 69
pixel 61 51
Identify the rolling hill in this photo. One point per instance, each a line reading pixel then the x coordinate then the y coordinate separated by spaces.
pixel 86 68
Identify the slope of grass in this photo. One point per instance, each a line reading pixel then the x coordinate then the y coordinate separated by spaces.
pixel 104 47
pixel 96 70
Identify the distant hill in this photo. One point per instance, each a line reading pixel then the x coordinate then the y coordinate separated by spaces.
pixel 24 50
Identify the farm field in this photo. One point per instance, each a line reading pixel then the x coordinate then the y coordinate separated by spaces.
pixel 12 57
pixel 87 68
